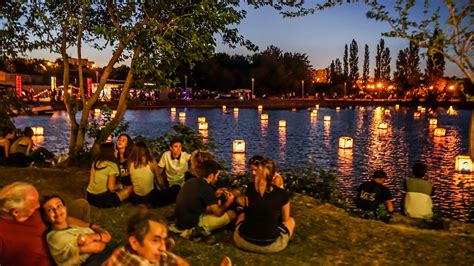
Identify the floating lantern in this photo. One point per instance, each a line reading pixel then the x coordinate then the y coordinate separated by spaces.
pixel 114 112
pixel 173 109
pixel 362 108
pixel 260 108
pixel 451 111
pixel 416 114
pixel 182 115
pixel 264 116
pixel 97 111
pixel 38 130
pixel 202 125
pixel 201 119
pixel 463 164
pixel 327 118
pixel 387 112
pixel 224 108
pixel 423 110
pixel 314 113
pixel 433 121
pixel 338 109
pixel 439 132
pixel 238 146
pixel 293 109
pixel 316 107
pixel 418 108
pixel 282 123
pixel 345 142
pixel 397 106
pixel 383 125
pixel 236 110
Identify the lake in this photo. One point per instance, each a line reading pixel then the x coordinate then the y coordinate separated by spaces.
pixel 406 140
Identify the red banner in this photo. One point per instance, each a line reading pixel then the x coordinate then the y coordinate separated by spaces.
pixel 89 87
pixel 18 86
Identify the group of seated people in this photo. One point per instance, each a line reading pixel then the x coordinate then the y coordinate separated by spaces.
pixel 374 197
pixel 22 152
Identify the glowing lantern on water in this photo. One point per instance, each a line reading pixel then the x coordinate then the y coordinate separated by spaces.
pixel 264 116
pixel 383 125
pixel 338 109
pixel 397 106
pixel 97 111
pixel 114 112
pixel 423 110
pixel 238 146
pixel 38 130
pixel 416 114
pixel 293 109
pixel 173 109
pixel 260 108
pixel 327 118
pixel 451 111
pixel 433 121
pixel 314 113
pixel 236 110
pixel 439 132
pixel 182 115
pixel 418 108
pixel 202 125
pixel 224 108
pixel 282 123
pixel 201 119
pixel 463 164
pixel 387 112
pixel 316 107
pixel 345 142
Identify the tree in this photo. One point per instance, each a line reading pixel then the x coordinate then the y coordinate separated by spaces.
pixel 345 63
pixel 400 76
pixel 365 71
pixel 413 64
pixel 454 41
pixel 354 62
pixel 435 63
pixel 378 60
pixel 385 71
pixel 156 38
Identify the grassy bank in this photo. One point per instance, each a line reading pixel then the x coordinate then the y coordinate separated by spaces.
pixel 324 234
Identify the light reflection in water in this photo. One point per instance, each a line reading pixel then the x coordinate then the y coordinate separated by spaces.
pixel 345 168
pixel 38 141
pixel 173 116
pixel 264 127
pixel 205 134
pixel 238 162
pixel 282 142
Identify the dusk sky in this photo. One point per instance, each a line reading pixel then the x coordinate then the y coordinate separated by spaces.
pixel 321 36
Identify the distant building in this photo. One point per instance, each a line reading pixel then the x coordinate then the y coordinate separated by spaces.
pixel 85 62
pixel 26 79
pixel 320 75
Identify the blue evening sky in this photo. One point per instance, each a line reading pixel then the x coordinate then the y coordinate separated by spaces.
pixel 321 36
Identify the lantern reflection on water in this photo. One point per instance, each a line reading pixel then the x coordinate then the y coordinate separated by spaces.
pixel 316 107
pixel 383 125
pixel 327 118
pixel 38 141
pixel 439 132
pixel 38 130
pixel 204 134
pixel 238 146
pixel 416 114
pixel 238 163
pixel 463 164
pixel 264 116
pixel 201 119
pixel 203 126
pixel 345 142
pixel 236 110
pixel 314 113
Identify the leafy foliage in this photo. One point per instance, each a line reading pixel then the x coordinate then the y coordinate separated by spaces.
pixel 97 130
pixel 10 105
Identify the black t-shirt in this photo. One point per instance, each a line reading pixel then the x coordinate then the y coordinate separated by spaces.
pixel 371 194
pixel 192 201
pixel 263 215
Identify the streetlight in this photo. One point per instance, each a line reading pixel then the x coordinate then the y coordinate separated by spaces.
pixel 302 88
pixel 253 82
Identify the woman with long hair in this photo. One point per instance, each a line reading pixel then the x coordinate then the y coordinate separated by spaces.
pixel 103 190
pixel 123 148
pixel 143 174
pixel 23 151
pixel 266 225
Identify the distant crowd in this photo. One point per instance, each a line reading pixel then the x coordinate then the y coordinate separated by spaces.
pixel 44 231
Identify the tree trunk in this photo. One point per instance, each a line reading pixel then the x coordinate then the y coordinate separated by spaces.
pixel 471 137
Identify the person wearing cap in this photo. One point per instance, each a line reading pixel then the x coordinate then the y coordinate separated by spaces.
pixel 417 202
pixel 373 193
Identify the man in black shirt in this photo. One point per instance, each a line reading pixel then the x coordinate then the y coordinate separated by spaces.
pixel 373 193
pixel 197 204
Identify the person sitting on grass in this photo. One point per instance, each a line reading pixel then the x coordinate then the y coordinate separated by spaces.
pixel 147 243
pixel 266 225
pixel 255 161
pixel 22 152
pixel 70 244
pixel 174 163
pixel 144 174
pixel 197 205
pixel 123 148
pixel 418 202
pixel 372 196
pixel 6 134
pixel 197 157
pixel 103 190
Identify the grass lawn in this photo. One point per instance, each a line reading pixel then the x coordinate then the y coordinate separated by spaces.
pixel 324 234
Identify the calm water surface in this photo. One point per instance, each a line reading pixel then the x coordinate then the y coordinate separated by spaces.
pixel 307 139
